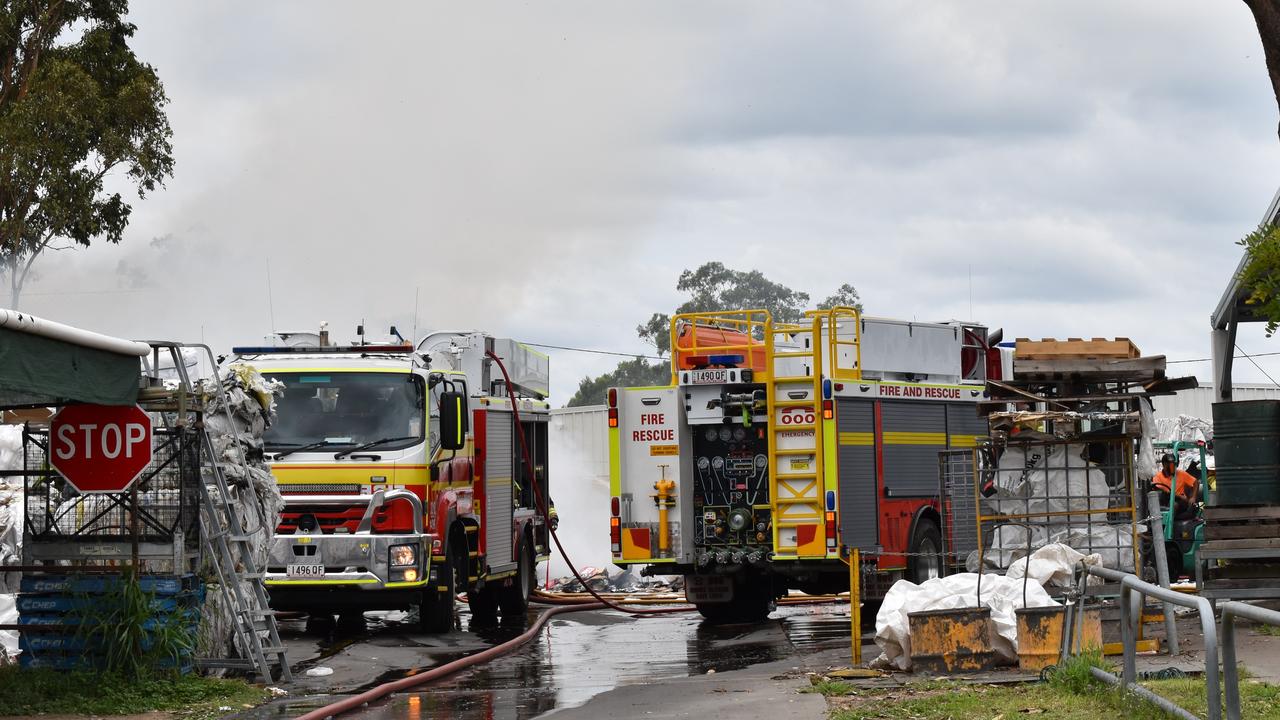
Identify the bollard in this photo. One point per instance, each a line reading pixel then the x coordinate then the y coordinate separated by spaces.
pixel 855 604
pixel 1162 567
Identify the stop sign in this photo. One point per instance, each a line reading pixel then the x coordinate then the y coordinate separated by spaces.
pixel 100 448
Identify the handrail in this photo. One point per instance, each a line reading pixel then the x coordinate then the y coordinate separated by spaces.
pixel 746 322
pixel 1132 590
pixel 1231 676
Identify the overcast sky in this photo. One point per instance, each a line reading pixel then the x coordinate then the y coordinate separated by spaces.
pixel 1058 169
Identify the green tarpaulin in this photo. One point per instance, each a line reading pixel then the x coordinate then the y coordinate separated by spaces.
pixel 36 370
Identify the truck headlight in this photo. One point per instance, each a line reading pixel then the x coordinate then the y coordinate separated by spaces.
pixel 404 555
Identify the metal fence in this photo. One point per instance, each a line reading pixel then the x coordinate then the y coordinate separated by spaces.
pixel 163 501
pixel 957 474
pixel 1080 493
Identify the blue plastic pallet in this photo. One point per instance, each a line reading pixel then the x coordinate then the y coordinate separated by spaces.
pixel 96 584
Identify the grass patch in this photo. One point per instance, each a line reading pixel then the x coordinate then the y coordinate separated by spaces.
pixel 1265 629
pixel 1071 694
pixel 30 692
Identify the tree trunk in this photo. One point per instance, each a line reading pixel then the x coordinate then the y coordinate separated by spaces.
pixel 1267 14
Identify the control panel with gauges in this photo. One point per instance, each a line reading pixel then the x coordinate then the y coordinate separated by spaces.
pixel 731 486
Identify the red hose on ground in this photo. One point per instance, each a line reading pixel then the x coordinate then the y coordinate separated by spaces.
pixel 542 503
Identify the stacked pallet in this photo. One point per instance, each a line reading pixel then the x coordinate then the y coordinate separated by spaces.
pixel 1098 359
pixel 60 612
pixel 1246 541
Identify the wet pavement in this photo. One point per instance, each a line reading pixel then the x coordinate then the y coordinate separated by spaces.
pixel 575 658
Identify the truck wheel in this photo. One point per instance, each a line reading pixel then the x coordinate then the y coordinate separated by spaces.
pixel 436 613
pixel 751 604
pixel 484 607
pixel 925 561
pixel 514 598
pixel 716 613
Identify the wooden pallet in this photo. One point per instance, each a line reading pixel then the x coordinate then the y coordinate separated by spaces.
pixel 1075 348
pixel 1142 369
pixel 1254 522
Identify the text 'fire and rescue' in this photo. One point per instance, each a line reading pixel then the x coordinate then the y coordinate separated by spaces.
pixel 936 393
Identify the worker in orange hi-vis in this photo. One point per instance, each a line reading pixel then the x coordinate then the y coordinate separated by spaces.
pixel 1185 487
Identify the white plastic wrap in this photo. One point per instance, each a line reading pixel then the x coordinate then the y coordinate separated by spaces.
pixel 251 401
pixel 10 535
pixel 1002 594
pixel 1053 564
pixel 1146 466
pixel 1024 486
pixel 8 638
pixel 1183 428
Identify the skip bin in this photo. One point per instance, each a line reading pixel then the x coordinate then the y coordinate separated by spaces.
pixel 944 641
pixel 1040 635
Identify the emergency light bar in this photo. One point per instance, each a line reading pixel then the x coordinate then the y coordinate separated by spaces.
pixel 722 360
pixel 274 350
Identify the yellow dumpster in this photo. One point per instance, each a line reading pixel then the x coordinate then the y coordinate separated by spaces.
pixel 944 641
pixel 1040 635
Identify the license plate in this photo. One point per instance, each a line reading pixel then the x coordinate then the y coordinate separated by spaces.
pixel 714 376
pixel 305 572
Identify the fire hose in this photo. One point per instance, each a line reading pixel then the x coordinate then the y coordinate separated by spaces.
pixel 562 603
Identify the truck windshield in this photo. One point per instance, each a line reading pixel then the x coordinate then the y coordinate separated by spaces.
pixel 342 410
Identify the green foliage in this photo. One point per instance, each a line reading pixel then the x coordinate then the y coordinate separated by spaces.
pixel 76 104
pixel 629 373
pixel 28 692
pixel 1075 674
pixel 845 296
pixel 713 287
pixel 133 639
pixel 1260 277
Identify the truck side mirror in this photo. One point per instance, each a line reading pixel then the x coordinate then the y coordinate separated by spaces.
pixel 453 421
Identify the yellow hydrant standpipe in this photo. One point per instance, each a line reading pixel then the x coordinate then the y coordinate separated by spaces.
pixel 665 499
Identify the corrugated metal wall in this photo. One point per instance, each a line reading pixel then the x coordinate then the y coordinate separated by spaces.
pixel 1199 402
pixel 583 431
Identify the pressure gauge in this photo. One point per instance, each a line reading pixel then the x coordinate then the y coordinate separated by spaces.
pixel 725 434
pixel 717 462
pixel 711 433
pixel 739 434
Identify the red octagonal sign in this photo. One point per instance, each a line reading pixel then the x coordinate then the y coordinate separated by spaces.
pixel 100 448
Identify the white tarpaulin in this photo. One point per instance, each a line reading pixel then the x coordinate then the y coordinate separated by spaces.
pixel 1002 593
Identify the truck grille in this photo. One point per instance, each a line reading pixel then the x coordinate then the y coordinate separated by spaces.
pixel 322 489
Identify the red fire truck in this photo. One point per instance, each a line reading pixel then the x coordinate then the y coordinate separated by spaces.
pixel 779 446
pixel 402 474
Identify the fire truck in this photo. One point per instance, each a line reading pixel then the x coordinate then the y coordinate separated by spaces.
pixel 779 446
pixel 403 478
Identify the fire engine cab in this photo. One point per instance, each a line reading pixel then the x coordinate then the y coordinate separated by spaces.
pixel 403 480
pixel 779 446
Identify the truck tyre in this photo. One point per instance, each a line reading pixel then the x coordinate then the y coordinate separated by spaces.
pixel 437 611
pixel 925 561
pixel 514 598
pixel 484 607
pixel 752 602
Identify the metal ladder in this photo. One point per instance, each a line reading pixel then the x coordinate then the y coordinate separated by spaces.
pixel 795 440
pixel 230 553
